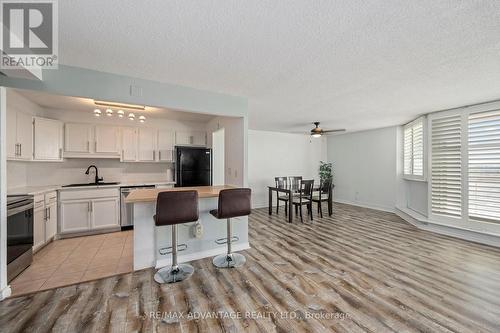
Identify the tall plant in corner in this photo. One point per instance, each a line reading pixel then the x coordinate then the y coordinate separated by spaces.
pixel 325 171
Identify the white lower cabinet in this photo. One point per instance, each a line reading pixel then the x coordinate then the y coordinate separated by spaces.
pixel 83 210
pixel 44 219
pixel 105 213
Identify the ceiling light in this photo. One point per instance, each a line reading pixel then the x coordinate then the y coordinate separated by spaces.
pixel 316 135
pixel 97 112
pixel 120 105
pixel 109 112
pixel 142 119
pixel 131 116
pixel 120 113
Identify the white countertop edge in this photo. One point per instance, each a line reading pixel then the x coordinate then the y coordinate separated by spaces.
pixel 35 190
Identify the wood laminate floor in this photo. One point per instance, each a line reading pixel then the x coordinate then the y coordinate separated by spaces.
pixel 359 271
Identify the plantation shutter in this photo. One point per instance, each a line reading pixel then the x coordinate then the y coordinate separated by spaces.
pixel 484 166
pixel 446 166
pixel 413 146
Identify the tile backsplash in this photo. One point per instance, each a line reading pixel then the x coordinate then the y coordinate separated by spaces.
pixel 21 174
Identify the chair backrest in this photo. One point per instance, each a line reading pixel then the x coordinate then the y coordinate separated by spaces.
pixel 326 186
pixel 306 188
pixel 174 207
pixel 295 182
pixel 281 181
pixel 234 202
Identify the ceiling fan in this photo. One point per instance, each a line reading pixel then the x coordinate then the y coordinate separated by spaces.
pixel 317 131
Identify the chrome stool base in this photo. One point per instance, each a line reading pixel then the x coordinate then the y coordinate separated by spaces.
pixel 229 260
pixel 172 275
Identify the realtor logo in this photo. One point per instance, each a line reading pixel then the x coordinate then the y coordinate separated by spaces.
pixel 29 34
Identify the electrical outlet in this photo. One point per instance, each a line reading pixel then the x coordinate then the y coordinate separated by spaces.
pixel 197 230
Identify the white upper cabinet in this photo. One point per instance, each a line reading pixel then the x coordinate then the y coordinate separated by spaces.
pixel 166 142
pixel 77 138
pixel 107 139
pixel 48 137
pixel 129 144
pixel 191 138
pixel 146 144
pixel 19 135
pixel 87 140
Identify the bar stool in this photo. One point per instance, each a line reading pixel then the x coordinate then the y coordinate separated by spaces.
pixel 174 208
pixel 232 203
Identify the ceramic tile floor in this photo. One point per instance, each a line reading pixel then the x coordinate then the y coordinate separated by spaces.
pixel 73 260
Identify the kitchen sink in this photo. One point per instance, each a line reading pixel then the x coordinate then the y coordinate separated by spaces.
pixel 91 184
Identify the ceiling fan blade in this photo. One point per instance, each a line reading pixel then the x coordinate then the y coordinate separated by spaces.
pixel 334 130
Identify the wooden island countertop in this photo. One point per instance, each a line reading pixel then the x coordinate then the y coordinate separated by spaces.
pixel 150 195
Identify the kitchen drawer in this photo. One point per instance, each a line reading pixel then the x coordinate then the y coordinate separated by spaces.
pixel 39 201
pixel 51 198
pixel 76 194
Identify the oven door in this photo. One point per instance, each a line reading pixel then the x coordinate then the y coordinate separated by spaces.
pixel 19 231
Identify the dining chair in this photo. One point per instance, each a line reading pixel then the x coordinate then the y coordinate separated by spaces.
pixel 323 194
pixel 295 183
pixel 304 197
pixel 281 182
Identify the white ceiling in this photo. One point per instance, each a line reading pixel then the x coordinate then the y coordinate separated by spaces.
pixel 68 103
pixel 347 63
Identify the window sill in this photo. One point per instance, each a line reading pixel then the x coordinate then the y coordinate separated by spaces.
pixel 415 179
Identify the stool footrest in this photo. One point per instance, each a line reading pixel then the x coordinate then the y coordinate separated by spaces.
pixel 222 241
pixel 167 250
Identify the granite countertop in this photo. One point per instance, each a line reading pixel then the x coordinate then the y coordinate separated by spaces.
pixel 35 190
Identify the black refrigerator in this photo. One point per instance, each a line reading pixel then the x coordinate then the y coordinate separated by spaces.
pixel 193 166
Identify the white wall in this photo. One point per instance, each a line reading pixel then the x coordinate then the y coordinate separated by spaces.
pixel 365 168
pixel 218 157
pixel 274 154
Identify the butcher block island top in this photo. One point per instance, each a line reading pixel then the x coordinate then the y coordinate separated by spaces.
pixel 150 195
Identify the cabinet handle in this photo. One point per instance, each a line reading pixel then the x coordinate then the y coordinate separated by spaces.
pixel 88 207
pixel 48 211
pixel 95 146
pixel 88 146
pixel 154 155
pixel 20 149
pixel 15 150
pixel 159 155
pixel 60 152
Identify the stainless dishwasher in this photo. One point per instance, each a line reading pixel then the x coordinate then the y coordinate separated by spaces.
pixel 127 211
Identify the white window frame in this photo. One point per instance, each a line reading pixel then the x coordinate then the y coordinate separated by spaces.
pixel 463 222
pixel 412 176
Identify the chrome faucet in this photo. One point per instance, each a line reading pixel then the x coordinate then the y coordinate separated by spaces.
pixel 97 179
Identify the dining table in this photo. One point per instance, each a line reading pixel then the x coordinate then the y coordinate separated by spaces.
pixel 290 190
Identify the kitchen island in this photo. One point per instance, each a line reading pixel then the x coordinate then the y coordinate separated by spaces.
pixel 148 238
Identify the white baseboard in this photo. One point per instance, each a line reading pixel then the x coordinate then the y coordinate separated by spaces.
pixel 200 255
pixel 424 223
pixel 5 292
pixel 365 205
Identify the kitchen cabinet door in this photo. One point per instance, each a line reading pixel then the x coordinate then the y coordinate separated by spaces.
pixel 166 142
pixel 146 143
pixel 104 213
pixel 51 224
pixel 191 138
pixel 48 139
pixel 106 139
pixel 77 138
pixel 75 215
pixel 199 138
pixel 129 144
pixel 24 133
pixel 11 139
pixel 39 228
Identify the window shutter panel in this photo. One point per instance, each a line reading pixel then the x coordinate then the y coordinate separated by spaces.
pixel 446 166
pixel 418 148
pixel 484 166
pixel 407 164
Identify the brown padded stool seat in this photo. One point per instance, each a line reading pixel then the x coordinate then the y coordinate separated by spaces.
pixel 232 203
pixel 173 208
pixel 176 207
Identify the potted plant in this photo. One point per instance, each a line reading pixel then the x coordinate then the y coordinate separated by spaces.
pixel 325 171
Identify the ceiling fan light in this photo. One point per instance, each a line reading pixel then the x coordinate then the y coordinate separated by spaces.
pixel 316 135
